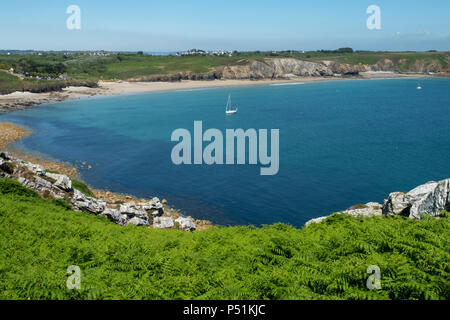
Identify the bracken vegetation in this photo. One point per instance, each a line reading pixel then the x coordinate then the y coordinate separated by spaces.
pixel 40 239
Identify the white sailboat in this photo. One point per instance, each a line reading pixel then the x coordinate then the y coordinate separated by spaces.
pixel 419 87
pixel 229 109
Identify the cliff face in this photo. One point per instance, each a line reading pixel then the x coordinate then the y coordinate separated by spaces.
pixel 271 68
pixel 419 66
pixel 285 67
pixel 278 68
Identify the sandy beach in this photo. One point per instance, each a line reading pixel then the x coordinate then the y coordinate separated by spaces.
pixel 22 100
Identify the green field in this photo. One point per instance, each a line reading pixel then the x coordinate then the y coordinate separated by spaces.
pixel 39 239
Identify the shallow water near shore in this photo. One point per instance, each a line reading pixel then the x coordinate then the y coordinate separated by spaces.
pixel 341 143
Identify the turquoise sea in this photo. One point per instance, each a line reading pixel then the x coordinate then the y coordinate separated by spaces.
pixel 341 143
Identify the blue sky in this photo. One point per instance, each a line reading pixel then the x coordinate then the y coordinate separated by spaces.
pixel 172 25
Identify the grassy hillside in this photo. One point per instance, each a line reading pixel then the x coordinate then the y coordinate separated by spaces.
pixel 115 66
pixel 40 239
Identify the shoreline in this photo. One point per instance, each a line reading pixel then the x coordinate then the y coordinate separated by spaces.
pixel 23 100
pixel 11 133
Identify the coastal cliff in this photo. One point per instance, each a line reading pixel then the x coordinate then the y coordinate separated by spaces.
pixel 283 68
pixel 275 68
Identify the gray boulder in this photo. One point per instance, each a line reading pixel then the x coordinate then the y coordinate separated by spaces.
pixel 397 203
pixel 26 183
pixel 163 223
pixel 96 206
pixel 83 203
pixel 186 224
pixel 433 202
pixel 78 196
pixel 128 208
pixel 112 214
pixel 42 183
pixel 137 222
pixel 157 213
pixel 35 168
pixel 62 181
pixel 141 214
pixel 155 203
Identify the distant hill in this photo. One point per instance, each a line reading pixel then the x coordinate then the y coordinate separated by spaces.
pixel 102 65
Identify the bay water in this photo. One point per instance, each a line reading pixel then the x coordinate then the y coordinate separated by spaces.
pixel 341 143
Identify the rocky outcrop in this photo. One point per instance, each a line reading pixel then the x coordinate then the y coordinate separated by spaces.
pixel 163 223
pixel 142 213
pixel 370 209
pixel 426 66
pixel 346 69
pixel 385 65
pixel 283 66
pixel 185 224
pixel 272 68
pixel 429 199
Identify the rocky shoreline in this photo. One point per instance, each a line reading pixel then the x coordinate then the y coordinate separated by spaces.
pixel 150 213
